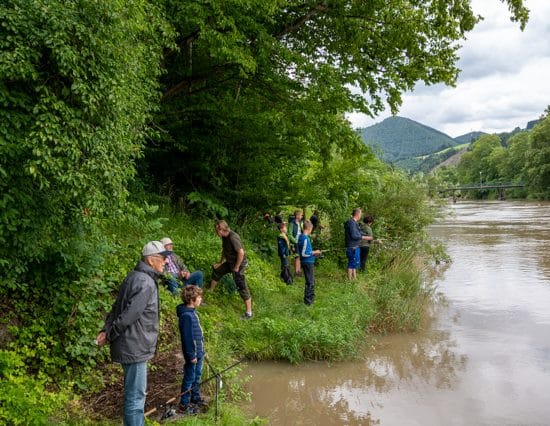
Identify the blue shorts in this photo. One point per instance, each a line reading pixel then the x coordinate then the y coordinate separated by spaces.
pixel 353 254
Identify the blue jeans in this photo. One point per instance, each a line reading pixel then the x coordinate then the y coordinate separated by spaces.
pixel 196 278
pixel 135 385
pixel 191 380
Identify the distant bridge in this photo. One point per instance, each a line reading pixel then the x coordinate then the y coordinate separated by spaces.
pixel 500 187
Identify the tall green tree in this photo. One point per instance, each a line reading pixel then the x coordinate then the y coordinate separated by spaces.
pixel 251 93
pixel 537 164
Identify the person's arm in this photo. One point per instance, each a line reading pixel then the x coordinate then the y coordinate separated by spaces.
pixel 240 257
pixel 222 259
pixel 186 331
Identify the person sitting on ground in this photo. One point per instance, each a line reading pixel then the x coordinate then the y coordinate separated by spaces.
pixel 366 230
pixel 295 228
pixel 233 259
pixel 192 346
pixel 283 249
pixel 307 259
pixel 175 270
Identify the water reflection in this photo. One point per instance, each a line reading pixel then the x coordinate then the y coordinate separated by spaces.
pixel 481 358
pixel 351 393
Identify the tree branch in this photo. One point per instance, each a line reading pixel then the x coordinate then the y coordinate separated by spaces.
pixel 317 10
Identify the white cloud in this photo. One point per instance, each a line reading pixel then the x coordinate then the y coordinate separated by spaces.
pixel 504 81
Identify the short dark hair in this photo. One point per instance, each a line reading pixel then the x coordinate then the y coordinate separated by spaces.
pixel 190 293
pixel 368 219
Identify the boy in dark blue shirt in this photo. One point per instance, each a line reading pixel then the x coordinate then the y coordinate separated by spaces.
pixel 192 345
pixel 307 260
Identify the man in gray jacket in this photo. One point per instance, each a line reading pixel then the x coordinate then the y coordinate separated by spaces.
pixel 132 327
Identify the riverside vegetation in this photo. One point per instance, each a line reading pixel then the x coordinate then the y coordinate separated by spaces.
pixel 338 326
pixel 218 108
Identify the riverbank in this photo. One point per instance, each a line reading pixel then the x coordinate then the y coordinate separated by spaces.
pixel 389 298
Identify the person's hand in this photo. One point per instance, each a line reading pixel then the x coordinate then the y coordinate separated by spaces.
pixel 316 252
pixel 236 269
pixel 101 339
pixel 186 275
pixel 216 265
pixel 194 361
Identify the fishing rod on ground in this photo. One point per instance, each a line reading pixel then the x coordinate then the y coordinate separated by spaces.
pixel 217 375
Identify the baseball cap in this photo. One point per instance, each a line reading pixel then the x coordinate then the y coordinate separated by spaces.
pixel 154 247
pixel 166 241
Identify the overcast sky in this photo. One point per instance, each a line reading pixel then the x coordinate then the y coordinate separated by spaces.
pixel 505 78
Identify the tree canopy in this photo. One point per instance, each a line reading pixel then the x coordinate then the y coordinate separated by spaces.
pixel 256 89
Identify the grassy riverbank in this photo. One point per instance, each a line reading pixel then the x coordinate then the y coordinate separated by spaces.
pixel 389 298
pixel 337 327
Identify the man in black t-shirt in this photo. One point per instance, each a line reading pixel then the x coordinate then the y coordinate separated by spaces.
pixel 233 260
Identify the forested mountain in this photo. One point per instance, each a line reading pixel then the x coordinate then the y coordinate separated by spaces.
pixel 469 137
pixel 401 138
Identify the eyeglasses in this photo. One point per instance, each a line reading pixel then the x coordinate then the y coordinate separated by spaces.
pixel 160 256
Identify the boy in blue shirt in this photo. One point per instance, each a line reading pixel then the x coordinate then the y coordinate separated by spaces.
pixel 307 261
pixel 192 345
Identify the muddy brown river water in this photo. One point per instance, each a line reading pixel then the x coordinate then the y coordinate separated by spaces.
pixel 481 358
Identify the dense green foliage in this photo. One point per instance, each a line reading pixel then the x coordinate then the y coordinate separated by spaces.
pixel 227 107
pixel 523 159
pixel 400 138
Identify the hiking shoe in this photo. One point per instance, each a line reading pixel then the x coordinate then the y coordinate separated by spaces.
pixel 188 409
pixel 246 316
pixel 200 404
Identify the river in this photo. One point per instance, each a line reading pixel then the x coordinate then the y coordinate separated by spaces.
pixel 482 356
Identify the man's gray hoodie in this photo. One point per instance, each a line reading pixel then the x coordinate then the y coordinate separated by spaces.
pixel 132 326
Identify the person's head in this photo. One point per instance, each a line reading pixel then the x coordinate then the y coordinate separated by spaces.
pixel 298 215
pixel 191 295
pixel 356 213
pixel 154 254
pixel 283 227
pixel 368 219
pixel 222 228
pixel 167 243
pixel 308 226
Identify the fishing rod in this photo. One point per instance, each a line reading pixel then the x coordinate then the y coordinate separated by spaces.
pixel 170 412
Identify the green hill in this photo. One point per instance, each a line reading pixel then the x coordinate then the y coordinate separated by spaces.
pixel 400 138
pixel 469 137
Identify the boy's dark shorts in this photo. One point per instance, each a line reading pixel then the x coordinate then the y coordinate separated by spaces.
pixel 238 277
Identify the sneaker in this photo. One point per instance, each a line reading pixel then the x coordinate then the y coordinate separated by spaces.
pixel 246 316
pixel 188 409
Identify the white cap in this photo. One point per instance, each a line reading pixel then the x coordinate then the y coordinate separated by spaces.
pixel 165 241
pixel 154 247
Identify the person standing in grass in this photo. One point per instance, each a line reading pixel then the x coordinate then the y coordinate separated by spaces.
pixel 192 345
pixel 283 249
pixel 307 261
pixel 132 327
pixel 366 231
pixel 296 226
pixel 233 260
pixel 353 238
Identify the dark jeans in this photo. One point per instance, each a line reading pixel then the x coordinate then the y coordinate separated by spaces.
pixel 285 271
pixel 309 291
pixel 190 386
pixel 363 258
pixel 196 278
